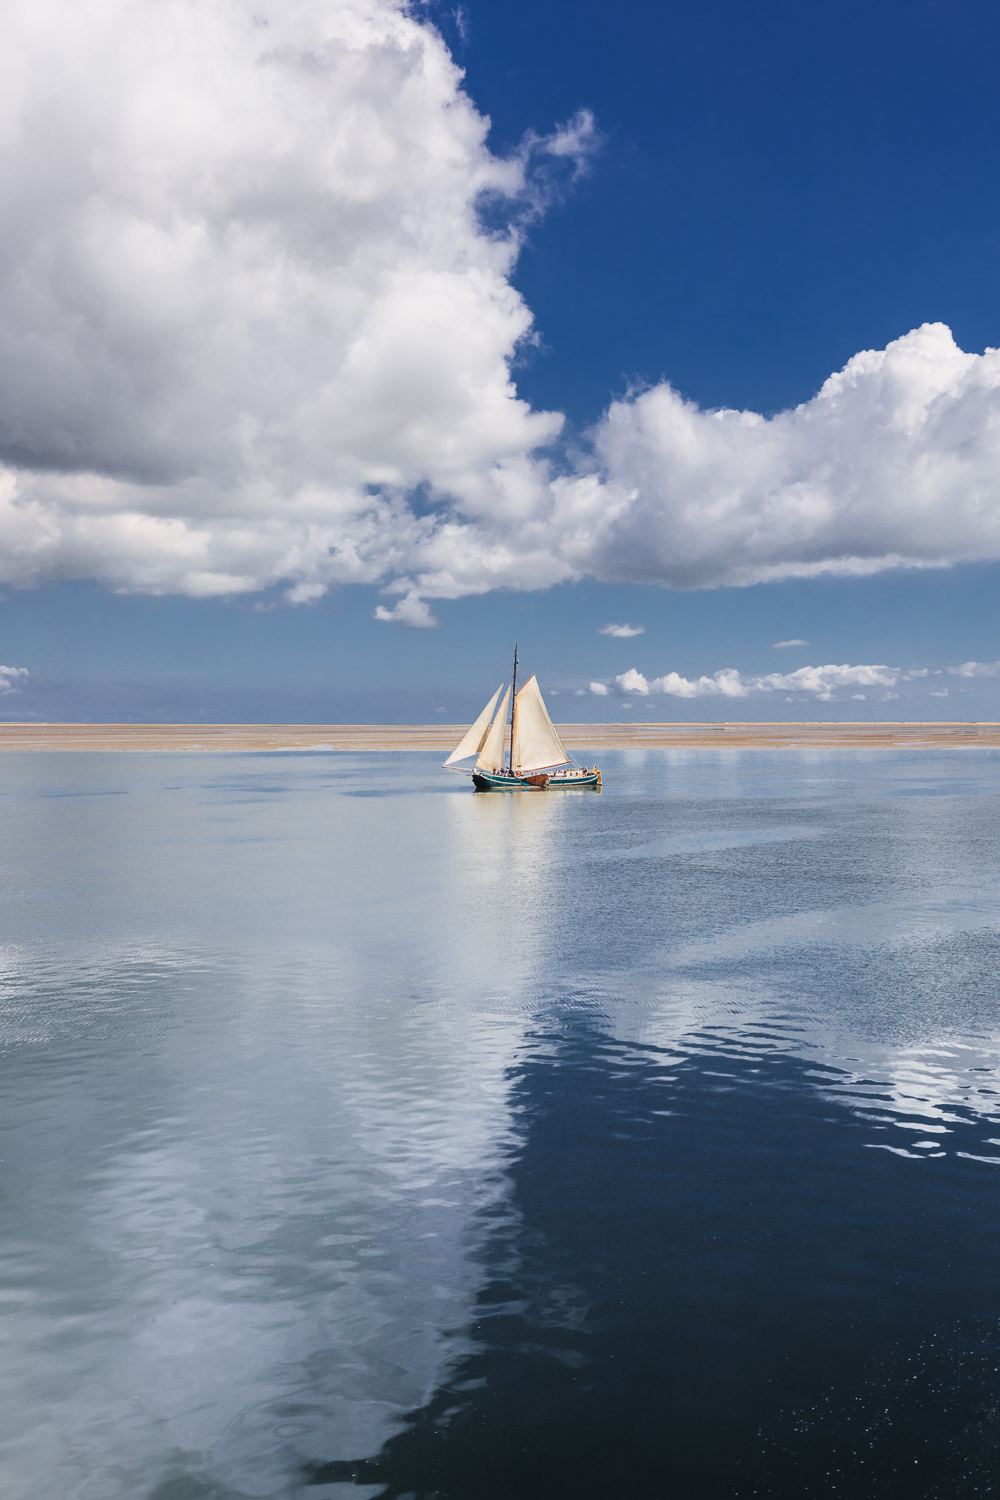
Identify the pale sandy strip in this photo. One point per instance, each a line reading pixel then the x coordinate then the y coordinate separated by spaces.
pixel 584 738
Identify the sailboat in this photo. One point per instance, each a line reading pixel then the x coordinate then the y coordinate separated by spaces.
pixel 530 756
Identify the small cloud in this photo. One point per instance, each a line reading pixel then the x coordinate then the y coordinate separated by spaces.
pixel 411 611
pixel 440 710
pixel 579 693
pixel 553 692
pixel 633 682
pixel 305 593
pixel 9 677
pixel 976 669
pixel 578 140
pixel 889 697
pixel 622 632
pixel 859 697
pixel 780 645
pixel 942 694
pixel 599 688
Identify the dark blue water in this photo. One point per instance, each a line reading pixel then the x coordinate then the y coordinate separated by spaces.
pixel 364 1136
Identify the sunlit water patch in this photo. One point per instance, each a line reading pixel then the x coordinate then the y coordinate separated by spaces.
pixel 365 1136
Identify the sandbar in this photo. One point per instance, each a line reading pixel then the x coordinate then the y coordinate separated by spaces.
pixel 584 739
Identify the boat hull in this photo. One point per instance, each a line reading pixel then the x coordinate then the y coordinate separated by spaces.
pixel 498 781
pixel 589 778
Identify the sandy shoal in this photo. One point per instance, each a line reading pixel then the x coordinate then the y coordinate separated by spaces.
pixel 585 738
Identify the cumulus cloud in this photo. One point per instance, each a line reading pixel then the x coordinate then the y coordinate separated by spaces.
pixel 411 610
pixel 729 683
pixel 257 327
pixel 600 689
pixel 10 677
pixel 893 463
pixel 976 669
pixel 249 302
pixel 622 632
pixel 780 645
pixel 821 682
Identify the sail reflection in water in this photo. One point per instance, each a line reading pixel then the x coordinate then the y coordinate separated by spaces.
pixel 367 1137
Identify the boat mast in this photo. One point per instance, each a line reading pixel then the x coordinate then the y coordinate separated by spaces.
pixel 513 713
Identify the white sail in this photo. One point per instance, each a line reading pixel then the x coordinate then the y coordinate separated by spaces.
pixel 537 746
pixel 472 742
pixel 491 756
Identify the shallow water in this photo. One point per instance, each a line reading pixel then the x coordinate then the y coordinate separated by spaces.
pixel 362 1135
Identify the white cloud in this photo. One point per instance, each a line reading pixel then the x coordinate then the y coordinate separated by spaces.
pixel 10 677
pixel 896 462
pixel 622 632
pixel 976 669
pixel 859 697
pixel 632 682
pixel 411 610
pixel 729 683
pixel 780 645
pixel 942 694
pixel 247 302
pixel 599 688
pixel 249 307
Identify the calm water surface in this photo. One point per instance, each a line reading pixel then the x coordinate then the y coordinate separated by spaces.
pixel 365 1136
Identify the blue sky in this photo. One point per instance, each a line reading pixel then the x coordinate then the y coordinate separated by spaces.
pixel 782 185
pixel 762 195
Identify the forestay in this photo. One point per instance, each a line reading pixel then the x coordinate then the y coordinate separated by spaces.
pixel 491 757
pixel 474 740
pixel 537 745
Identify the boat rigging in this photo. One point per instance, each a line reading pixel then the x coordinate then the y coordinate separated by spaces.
pixel 527 755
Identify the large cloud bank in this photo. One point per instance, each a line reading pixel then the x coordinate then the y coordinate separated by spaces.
pixel 254 331
pixel 247 302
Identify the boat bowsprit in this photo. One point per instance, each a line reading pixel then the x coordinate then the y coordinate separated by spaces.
pixel 527 755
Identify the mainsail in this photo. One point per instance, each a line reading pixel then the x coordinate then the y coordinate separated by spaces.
pixel 473 741
pixel 491 756
pixel 536 744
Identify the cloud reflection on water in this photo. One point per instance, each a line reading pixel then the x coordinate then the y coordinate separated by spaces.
pixel 267 1107
pixel 275 1252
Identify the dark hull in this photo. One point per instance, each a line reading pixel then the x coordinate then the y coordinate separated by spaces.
pixel 493 781
pixel 589 778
